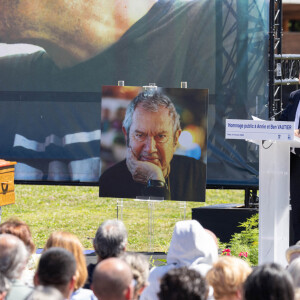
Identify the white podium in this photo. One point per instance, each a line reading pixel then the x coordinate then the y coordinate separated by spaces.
pixel 275 140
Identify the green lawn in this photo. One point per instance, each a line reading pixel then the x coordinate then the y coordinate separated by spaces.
pixel 79 210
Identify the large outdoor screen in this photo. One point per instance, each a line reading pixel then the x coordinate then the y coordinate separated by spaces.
pixel 64 49
pixel 54 137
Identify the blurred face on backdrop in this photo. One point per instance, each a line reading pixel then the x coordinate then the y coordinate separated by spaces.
pixel 71 31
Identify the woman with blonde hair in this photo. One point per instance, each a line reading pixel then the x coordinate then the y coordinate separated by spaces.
pixel 227 276
pixel 140 270
pixel 71 243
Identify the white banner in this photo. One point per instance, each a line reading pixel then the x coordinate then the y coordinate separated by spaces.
pixel 259 130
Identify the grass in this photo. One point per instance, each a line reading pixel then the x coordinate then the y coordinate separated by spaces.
pixel 80 211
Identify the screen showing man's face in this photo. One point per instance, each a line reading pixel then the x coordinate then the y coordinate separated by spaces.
pixel 151 137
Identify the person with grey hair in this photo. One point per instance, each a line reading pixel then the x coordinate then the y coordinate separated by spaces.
pixel 45 293
pixel 152 128
pixel 110 241
pixel 13 260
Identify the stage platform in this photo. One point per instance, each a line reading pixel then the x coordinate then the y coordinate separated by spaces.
pixel 223 219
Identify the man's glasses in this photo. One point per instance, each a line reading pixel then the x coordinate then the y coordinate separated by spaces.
pixel 159 138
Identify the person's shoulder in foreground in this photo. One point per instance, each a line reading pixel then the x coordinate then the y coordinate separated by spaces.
pixel 295 94
pixel 83 294
pixel 289 113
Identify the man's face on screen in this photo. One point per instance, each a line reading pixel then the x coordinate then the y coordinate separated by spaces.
pixel 151 137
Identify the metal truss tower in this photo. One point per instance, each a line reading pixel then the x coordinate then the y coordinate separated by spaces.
pixel 275 49
pixel 283 68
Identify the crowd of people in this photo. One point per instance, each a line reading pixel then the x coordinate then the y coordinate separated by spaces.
pixel 193 269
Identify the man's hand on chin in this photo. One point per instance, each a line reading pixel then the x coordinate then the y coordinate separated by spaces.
pixel 142 171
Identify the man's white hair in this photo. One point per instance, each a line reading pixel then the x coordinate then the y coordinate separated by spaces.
pixel 13 256
pixel 110 239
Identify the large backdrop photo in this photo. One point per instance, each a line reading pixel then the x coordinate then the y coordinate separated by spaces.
pixel 50 95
